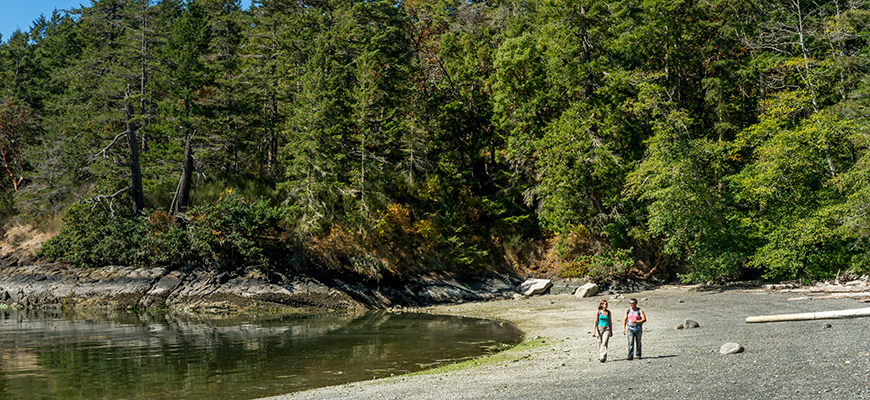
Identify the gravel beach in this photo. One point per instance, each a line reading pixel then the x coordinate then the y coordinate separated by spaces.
pixel 782 360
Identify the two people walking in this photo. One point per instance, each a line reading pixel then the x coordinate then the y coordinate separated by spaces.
pixel 632 327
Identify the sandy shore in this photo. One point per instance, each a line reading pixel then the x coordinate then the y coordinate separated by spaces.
pixel 782 360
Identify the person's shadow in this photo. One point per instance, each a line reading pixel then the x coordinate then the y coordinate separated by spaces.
pixel 646 358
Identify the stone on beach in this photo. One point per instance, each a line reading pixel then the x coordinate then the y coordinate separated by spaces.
pixel 730 348
pixel 688 324
pixel 587 290
pixel 533 287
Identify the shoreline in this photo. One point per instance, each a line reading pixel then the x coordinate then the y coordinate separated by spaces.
pixel 798 359
pixel 217 292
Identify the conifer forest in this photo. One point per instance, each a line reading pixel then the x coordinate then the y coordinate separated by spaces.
pixel 703 140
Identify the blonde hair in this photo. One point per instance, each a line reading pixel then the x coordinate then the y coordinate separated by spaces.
pixel 602 304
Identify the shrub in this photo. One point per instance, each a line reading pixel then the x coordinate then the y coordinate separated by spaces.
pixel 91 237
pixel 230 233
pixel 610 264
pixel 237 233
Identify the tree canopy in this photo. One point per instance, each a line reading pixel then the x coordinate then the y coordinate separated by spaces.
pixel 706 140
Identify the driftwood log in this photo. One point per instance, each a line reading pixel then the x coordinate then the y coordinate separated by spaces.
pixel 829 289
pixel 854 313
pixel 859 295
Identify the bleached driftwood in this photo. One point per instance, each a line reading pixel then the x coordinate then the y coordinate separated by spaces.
pixel 819 296
pixel 829 289
pixel 845 295
pixel 854 313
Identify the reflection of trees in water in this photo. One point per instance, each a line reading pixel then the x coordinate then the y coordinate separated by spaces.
pixel 134 354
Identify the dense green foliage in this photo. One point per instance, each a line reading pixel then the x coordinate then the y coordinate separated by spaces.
pixel 713 139
pixel 226 235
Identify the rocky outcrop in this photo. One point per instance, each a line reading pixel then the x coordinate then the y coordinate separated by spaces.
pixel 58 285
pixel 567 285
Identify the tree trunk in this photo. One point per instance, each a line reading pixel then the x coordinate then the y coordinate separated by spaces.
pixel 135 170
pixel 182 194
pixel 184 183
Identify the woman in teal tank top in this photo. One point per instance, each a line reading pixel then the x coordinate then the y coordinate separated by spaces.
pixel 603 329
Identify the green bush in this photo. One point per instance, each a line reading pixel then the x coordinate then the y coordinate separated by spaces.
pixel 610 264
pixel 92 237
pixel 228 234
pixel 237 233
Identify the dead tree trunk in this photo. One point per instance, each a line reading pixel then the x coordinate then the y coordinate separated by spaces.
pixel 182 194
pixel 135 169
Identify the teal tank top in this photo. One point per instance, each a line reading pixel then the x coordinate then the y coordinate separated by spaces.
pixel 603 320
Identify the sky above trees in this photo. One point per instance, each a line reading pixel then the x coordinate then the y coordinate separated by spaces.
pixel 20 14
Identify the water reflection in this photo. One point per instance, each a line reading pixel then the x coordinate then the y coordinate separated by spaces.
pixel 114 355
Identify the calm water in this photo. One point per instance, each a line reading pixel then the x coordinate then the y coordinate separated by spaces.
pixel 54 355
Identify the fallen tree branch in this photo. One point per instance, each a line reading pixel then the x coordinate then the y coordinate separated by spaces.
pixel 858 312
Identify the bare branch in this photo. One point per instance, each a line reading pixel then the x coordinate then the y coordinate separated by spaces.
pixel 115 140
pixel 111 198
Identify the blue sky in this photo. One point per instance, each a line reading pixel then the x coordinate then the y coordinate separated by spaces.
pixel 21 13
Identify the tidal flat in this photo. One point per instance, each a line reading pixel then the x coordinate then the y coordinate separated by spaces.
pixel 818 359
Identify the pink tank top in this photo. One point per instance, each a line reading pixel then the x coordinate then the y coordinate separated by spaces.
pixel 633 317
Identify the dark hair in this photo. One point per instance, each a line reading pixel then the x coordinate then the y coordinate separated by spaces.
pixel 632 299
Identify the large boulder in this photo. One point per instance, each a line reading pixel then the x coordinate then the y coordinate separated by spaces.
pixel 588 290
pixel 533 287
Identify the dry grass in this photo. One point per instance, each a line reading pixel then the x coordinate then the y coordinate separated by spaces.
pixel 23 239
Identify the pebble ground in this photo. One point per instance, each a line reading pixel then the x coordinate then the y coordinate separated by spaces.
pixel 782 360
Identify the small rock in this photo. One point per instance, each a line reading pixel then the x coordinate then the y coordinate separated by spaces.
pixel 827 325
pixel 679 326
pixel 681 301
pixel 730 348
pixel 689 324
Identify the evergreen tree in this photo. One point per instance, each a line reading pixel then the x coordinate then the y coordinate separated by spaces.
pixel 103 103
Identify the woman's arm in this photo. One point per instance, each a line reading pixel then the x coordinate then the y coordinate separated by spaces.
pixel 595 326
